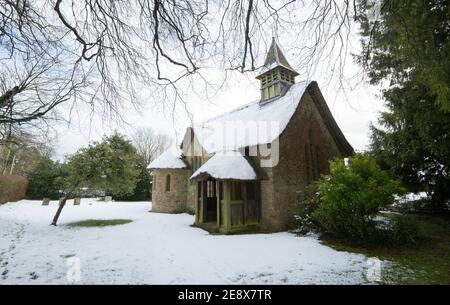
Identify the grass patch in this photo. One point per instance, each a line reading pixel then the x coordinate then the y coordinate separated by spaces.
pixel 99 222
pixel 427 262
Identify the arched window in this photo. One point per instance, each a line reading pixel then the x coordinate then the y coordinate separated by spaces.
pixel 308 165
pixel 317 162
pixel 168 183
pixel 312 159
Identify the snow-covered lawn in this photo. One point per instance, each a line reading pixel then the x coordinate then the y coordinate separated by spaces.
pixel 157 249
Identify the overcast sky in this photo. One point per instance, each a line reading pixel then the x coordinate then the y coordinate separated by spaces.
pixel 353 113
pixel 353 109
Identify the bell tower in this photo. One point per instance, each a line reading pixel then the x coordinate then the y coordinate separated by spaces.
pixel 277 75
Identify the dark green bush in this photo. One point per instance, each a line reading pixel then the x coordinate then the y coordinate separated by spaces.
pixel 308 202
pixel 351 196
pixel 45 180
pixel 142 189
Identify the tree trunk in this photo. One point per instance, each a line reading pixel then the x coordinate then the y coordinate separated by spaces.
pixel 12 164
pixel 58 212
pixel 5 166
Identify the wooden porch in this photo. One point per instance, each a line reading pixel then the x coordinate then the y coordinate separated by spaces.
pixel 228 206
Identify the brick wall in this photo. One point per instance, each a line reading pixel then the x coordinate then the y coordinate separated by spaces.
pixel 280 185
pixel 268 208
pixel 291 174
pixel 172 201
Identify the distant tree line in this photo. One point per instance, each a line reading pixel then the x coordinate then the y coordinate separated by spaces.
pixel 112 166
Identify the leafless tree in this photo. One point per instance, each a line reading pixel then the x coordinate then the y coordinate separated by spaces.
pixel 104 51
pixel 21 151
pixel 149 144
pixel 32 88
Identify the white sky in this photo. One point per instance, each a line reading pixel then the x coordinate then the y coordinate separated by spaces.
pixel 353 109
pixel 352 113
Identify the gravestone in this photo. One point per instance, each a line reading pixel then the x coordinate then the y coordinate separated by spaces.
pixel 108 198
pixel 77 201
pixel 45 201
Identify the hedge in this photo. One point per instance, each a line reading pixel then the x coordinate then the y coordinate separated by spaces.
pixel 12 188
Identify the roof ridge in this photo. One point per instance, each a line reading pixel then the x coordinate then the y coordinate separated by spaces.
pixel 232 110
pixel 277 56
pixel 213 137
pixel 248 105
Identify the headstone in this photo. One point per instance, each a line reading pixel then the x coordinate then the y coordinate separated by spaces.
pixel 45 201
pixel 108 198
pixel 61 200
pixel 77 201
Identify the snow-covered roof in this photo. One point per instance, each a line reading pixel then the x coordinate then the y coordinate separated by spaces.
pixel 230 165
pixel 171 158
pixel 253 124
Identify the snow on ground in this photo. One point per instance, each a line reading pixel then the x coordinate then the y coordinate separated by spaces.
pixel 157 249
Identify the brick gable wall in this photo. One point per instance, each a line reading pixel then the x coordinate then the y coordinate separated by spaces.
pixel 291 174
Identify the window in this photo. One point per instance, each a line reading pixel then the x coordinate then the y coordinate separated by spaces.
pixel 264 81
pixel 154 182
pixel 308 165
pixel 312 159
pixel 265 94
pixel 287 77
pixel 274 76
pixel 317 162
pixel 272 91
pixel 168 183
